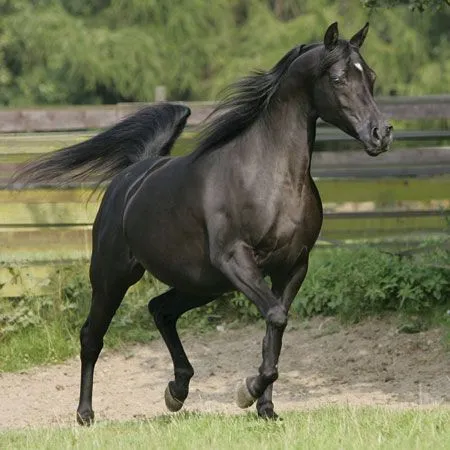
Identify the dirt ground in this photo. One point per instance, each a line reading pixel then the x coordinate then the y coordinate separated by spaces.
pixel 322 362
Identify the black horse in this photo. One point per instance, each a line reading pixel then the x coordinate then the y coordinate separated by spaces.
pixel 241 207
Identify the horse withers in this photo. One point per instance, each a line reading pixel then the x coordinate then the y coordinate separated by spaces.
pixel 240 208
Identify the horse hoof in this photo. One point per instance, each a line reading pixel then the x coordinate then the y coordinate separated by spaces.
pixel 243 397
pixel 172 403
pixel 85 419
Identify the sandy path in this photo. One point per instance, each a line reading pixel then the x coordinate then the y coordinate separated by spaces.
pixel 322 362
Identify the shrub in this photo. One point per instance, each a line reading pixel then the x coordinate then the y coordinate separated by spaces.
pixel 355 283
pixel 345 282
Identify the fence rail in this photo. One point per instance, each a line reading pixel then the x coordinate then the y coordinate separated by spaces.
pixel 404 163
pixel 67 118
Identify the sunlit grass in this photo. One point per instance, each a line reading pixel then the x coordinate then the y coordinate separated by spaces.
pixel 328 427
pixel 50 343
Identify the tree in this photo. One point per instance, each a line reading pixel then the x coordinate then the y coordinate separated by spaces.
pixel 420 5
pixel 107 51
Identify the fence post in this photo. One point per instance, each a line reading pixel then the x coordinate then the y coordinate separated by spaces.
pixel 160 94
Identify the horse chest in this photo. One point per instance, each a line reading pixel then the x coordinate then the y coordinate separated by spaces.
pixel 284 243
pixel 292 230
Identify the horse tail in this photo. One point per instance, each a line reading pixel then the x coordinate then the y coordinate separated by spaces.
pixel 150 132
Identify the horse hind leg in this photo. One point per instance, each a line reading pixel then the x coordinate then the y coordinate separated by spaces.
pixel 166 309
pixel 108 290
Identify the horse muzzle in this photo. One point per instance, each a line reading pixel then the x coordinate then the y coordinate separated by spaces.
pixel 378 139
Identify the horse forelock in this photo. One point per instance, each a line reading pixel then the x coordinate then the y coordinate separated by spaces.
pixel 330 57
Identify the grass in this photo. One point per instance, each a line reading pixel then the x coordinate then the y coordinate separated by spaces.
pixel 384 191
pixel 329 427
pixel 55 342
pixel 45 330
pixel 51 343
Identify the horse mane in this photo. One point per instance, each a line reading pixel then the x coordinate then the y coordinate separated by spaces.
pixel 244 101
pixel 242 104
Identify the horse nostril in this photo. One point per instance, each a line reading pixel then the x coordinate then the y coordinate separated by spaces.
pixel 375 134
pixel 389 129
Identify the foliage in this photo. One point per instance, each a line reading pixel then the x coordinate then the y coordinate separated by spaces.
pixel 354 284
pixel 107 51
pixel 38 329
pixel 420 5
pixel 325 427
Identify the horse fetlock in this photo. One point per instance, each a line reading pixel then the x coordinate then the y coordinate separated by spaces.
pixel 184 375
pixel 277 317
pixel 85 417
pixel 267 412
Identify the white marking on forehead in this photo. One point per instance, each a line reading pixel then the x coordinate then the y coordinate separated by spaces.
pixel 359 67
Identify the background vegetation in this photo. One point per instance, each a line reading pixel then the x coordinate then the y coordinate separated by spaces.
pixel 106 51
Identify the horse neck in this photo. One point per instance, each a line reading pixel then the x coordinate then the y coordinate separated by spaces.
pixel 290 132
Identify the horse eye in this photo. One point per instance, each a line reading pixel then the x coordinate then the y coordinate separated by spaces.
pixel 337 79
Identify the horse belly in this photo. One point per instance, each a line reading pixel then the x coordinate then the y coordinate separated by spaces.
pixel 183 267
pixel 171 244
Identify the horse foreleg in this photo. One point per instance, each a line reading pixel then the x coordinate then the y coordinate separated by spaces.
pixel 239 266
pixel 286 287
pixel 166 309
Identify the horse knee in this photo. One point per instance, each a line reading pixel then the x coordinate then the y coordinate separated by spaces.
pixel 153 306
pixel 277 317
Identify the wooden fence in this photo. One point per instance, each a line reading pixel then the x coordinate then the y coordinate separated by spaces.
pixel 395 193
pixel 70 118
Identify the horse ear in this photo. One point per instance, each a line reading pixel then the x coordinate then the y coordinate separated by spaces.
pixel 331 37
pixel 358 39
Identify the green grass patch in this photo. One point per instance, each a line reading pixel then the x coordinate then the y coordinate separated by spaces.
pixel 52 343
pixel 351 283
pixel 379 227
pixel 44 329
pixel 385 191
pixel 328 427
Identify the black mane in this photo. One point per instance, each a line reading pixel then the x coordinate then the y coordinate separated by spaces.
pixel 242 104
